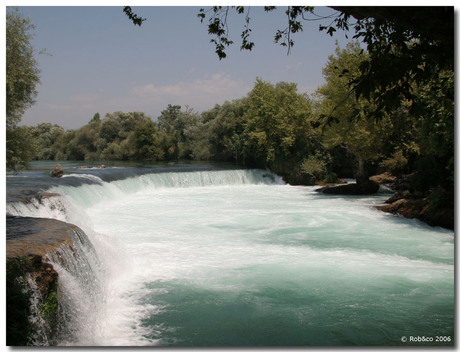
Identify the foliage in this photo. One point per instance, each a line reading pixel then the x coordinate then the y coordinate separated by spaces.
pixel 346 119
pixel 417 43
pixel 45 135
pixel 224 125
pixel 179 125
pixel 406 45
pixel 314 167
pixel 145 142
pixel 276 127
pixel 21 147
pixel 22 77
pixel 436 127
pixel 218 26
pixel 137 20
pixel 22 73
pixel 49 306
pixel 278 130
pixel 396 164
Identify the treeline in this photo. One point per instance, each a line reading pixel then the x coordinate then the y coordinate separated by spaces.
pixel 302 138
pixel 274 126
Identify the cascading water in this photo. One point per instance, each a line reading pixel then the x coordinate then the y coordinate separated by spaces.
pixel 237 258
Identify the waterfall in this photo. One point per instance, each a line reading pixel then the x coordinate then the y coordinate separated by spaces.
pixel 79 291
pixel 234 258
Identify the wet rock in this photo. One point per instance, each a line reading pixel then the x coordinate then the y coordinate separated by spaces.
pixel 370 187
pixel 421 209
pixel 330 184
pixel 57 171
pixel 31 281
pixel 31 290
pixel 33 236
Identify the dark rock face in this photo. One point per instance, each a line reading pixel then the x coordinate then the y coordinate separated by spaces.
pixel 421 209
pixel 435 207
pixel 28 276
pixel 57 171
pixel 352 189
pixel 20 330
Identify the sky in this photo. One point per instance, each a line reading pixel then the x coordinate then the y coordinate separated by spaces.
pixel 97 61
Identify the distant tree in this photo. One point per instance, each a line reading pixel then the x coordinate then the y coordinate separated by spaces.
pixel 225 125
pixel 146 142
pixel 22 77
pixel 277 130
pixel 167 121
pixel 110 127
pixel 176 122
pixel 96 117
pixel 85 143
pixel 46 136
pixel 117 126
pixel 198 146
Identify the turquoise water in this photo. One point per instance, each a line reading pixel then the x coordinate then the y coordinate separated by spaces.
pixel 237 258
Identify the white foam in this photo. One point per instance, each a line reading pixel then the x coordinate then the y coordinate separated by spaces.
pixel 235 231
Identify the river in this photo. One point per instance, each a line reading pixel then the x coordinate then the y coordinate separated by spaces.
pixel 205 255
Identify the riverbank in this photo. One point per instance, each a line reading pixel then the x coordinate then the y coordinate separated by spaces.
pixel 422 209
pixel 435 207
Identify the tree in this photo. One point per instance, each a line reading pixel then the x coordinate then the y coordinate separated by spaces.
pixel 22 73
pixel 225 124
pixel 146 142
pixel 20 148
pixel 46 136
pixel 406 46
pixel 22 77
pixel 277 129
pixel 178 124
pixel 96 118
pixel 435 120
pixel 346 118
pixel 118 125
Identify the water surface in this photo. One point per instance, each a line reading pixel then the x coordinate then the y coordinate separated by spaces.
pixel 219 257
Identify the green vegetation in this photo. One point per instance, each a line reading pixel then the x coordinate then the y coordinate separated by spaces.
pixel 22 77
pixel 49 307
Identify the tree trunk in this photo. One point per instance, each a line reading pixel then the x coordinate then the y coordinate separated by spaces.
pixel 365 185
pixel 362 176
